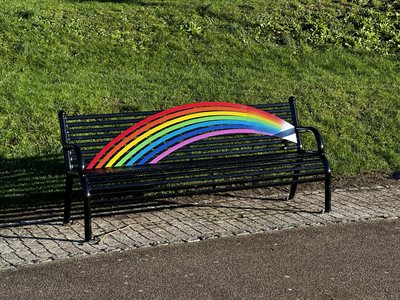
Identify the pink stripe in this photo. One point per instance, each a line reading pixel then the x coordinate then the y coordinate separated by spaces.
pixel 201 137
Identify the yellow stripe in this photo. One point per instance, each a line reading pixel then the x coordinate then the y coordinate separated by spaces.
pixel 177 120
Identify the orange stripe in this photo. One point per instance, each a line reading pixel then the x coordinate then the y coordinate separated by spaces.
pixel 106 158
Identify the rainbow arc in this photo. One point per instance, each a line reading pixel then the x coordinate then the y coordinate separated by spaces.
pixel 157 136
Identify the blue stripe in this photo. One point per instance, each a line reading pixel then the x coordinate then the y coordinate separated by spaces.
pixel 190 132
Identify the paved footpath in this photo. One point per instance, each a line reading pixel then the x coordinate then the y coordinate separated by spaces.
pixel 225 215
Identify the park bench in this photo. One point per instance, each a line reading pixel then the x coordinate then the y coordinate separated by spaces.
pixel 191 149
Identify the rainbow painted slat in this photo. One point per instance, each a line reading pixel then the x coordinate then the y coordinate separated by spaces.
pixel 163 133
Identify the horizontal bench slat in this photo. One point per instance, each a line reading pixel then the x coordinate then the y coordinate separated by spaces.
pixel 110 115
pixel 94 124
pixel 82 131
pixel 99 180
pixel 195 180
pixel 293 156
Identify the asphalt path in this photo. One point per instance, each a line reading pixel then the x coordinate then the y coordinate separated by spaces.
pixel 349 261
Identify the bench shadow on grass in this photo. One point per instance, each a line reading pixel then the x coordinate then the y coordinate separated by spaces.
pixel 32 191
pixel 30 184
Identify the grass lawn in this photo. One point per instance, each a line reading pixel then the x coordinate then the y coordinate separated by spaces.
pixel 339 58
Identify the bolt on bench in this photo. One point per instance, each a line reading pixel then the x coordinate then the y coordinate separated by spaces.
pixel 191 149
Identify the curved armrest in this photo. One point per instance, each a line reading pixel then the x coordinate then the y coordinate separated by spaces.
pixel 79 156
pixel 317 136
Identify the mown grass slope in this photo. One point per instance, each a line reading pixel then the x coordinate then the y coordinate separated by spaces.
pixel 339 58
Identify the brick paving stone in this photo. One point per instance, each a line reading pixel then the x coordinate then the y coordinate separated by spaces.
pixel 142 235
pixel 378 206
pixel 105 242
pixel 107 225
pixel 165 217
pixel 252 225
pixel 56 250
pixel 13 259
pixel 123 239
pixel 288 219
pixel 153 218
pixel 110 241
pixel 115 223
pixel 5 248
pixel 150 235
pixel 17 245
pixel 139 219
pixel 165 235
pixel 229 227
pixel 203 230
pixel 240 226
pixel 4 264
pixel 275 219
pixel 187 230
pixel 138 240
pixel 217 229
pixel 342 211
pixel 66 230
pixel 126 224
pixel 6 235
pixel 2 240
pixel 51 231
pixel 173 229
pixel 312 218
pixel 27 256
pixel 127 218
pixel 391 204
pixel 298 219
pixel 69 247
pixel 356 208
pixel 42 252
pixel 100 247
pixel 224 210
pixel 309 204
pixel 187 212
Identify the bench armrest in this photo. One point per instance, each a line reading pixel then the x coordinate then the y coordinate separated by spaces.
pixel 79 156
pixel 317 136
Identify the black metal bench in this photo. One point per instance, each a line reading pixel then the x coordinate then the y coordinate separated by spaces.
pixel 230 159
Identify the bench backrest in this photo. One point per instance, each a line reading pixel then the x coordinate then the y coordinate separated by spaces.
pixel 92 132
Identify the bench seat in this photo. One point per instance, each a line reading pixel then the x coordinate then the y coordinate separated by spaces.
pixel 197 177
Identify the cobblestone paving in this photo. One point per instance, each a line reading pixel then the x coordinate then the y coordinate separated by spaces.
pixel 224 215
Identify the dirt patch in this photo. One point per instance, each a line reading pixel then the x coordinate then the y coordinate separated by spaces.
pixel 343 183
pixel 366 180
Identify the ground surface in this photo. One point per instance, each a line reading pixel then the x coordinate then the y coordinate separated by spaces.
pixel 352 261
pixel 188 220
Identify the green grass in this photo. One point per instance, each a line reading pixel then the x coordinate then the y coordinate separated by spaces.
pixel 339 58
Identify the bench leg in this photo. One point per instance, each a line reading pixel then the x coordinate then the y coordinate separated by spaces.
pixel 293 187
pixel 88 220
pixel 68 199
pixel 292 192
pixel 328 192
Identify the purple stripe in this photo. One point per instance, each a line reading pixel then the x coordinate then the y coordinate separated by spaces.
pixel 201 137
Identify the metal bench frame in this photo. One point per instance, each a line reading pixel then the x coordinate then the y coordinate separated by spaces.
pixel 281 164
